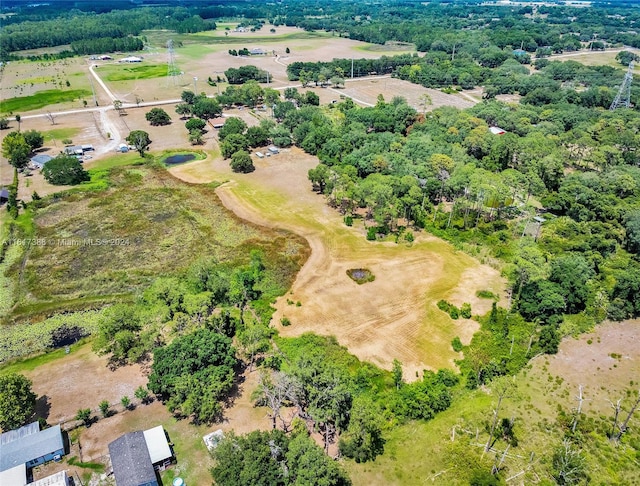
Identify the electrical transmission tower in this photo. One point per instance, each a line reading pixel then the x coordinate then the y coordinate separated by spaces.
pixel 623 98
pixel 174 75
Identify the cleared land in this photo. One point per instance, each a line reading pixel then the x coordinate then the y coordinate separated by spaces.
pixel 62 387
pixel 394 317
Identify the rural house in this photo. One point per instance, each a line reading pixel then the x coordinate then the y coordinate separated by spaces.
pixel 38 161
pixel 136 456
pixel 28 447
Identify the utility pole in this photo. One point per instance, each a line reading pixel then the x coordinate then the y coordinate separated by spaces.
pixel 195 85
pixel 351 67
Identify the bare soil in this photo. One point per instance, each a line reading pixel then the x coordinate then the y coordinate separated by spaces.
pixel 81 380
pixel 606 362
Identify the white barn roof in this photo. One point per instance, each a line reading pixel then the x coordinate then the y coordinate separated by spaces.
pixel 157 444
pixel 58 479
pixel 16 476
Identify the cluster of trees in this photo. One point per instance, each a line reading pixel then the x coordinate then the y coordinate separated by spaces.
pixel 348 402
pixel 64 170
pixel 274 458
pixel 18 146
pixel 199 314
pixel 198 105
pixel 107 44
pixel 246 73
pixel 158 117
pixel 88 31
pixel 194 373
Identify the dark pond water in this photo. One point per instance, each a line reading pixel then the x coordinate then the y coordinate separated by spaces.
pixel 179 159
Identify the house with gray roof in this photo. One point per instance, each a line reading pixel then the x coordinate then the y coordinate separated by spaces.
pixel 131 461
pixel 38 161
pixel 136 456
pixel 28 447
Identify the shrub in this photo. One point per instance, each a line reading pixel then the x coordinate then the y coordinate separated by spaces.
pixel 285 321
pixel 443 305
pixel 465 310
pixel 372 233
pixel 241 162
pixel 126 402
pixel 104 408
pixel 456 344
pixel 486 294
pixel 454 313
pixel 348 220
pixel 84 414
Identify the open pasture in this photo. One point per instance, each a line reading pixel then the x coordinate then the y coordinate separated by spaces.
pixel 393 317
pixel 33 85
pixel 605 361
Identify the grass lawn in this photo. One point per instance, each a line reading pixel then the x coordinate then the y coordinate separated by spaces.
pixel 41 99
pixel 60 133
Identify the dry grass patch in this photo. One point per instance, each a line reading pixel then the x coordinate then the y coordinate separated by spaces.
pixel 393 317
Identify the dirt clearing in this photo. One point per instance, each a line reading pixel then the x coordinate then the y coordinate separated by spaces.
pixel 393 317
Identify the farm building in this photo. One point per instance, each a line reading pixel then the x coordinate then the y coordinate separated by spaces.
pixel 4 195
pixel 218 122
pixel 497 130
pixel 73 150
pixel 136 456
pixel 257 51
pixel 131 59
pixel 58 479
pixel 38 161
pixel 28 447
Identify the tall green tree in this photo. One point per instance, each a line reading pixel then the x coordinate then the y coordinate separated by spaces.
pixel 140 140
pixel 64 170
pixel 16 149
pixel 17 401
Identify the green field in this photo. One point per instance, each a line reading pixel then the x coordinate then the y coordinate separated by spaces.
pixel 118 72
pixel 155 225
pixel 41 99
pixel 60 133
pixel 159 38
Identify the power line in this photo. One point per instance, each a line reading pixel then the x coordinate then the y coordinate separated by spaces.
pixel 174 75
pixel 623 98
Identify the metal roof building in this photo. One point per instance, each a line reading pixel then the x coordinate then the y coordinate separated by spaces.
pixel 26 448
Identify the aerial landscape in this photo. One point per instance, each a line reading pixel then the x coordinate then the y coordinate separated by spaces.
pixel 310 243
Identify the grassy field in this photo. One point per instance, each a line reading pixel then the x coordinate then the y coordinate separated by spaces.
pixel 425 452
pixel 60 133
pixel 42 99
pixel 394 316
pixel 159 38
pixel 112 243
pixel 128 72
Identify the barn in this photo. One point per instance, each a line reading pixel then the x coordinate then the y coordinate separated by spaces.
pixel 28 447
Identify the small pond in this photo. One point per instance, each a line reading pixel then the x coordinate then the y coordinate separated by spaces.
pixel 179 159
